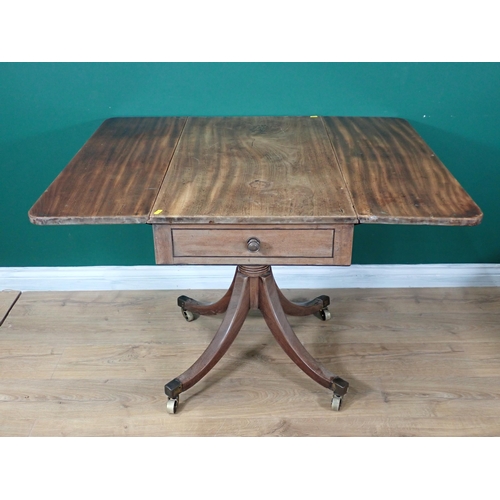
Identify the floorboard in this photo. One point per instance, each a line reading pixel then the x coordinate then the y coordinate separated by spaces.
pixel 421 362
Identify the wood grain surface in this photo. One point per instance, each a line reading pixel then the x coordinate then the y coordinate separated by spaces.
pixel 420 362
pixel 115 177
pixel 394 177
pixel 257 170
pixel 262 170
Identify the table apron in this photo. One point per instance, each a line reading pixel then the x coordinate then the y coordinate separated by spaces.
pixel 305 244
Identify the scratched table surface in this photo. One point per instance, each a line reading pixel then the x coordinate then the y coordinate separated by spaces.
pixel 256 170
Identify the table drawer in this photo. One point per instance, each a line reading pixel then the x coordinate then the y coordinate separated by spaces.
pixel 247 245
pixel 252 243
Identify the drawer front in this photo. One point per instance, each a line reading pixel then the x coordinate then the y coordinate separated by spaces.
pixel 235 244
pixel 263 243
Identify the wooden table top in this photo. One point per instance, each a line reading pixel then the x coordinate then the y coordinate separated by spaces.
pixel 255 170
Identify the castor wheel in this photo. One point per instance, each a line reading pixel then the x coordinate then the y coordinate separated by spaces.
pixel 336 402
pixel 172 405
pixel 323 314
pixel 189 316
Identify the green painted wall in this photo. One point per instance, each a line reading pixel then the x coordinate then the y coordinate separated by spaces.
pixel 48 111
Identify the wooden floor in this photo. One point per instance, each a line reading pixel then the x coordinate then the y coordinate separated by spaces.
pixel 421 362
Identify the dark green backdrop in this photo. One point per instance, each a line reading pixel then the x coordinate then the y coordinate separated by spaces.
pixel 48 111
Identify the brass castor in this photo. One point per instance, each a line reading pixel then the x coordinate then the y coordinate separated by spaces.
pixel 323 314
pixel 172 405
pixel 189 316
pixel 336 402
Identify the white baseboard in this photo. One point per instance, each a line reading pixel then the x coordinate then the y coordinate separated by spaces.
pixel 219 277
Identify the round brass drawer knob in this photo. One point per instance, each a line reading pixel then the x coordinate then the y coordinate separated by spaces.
pixel 253 244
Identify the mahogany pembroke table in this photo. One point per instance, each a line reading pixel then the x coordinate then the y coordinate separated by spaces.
pixel 252 192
